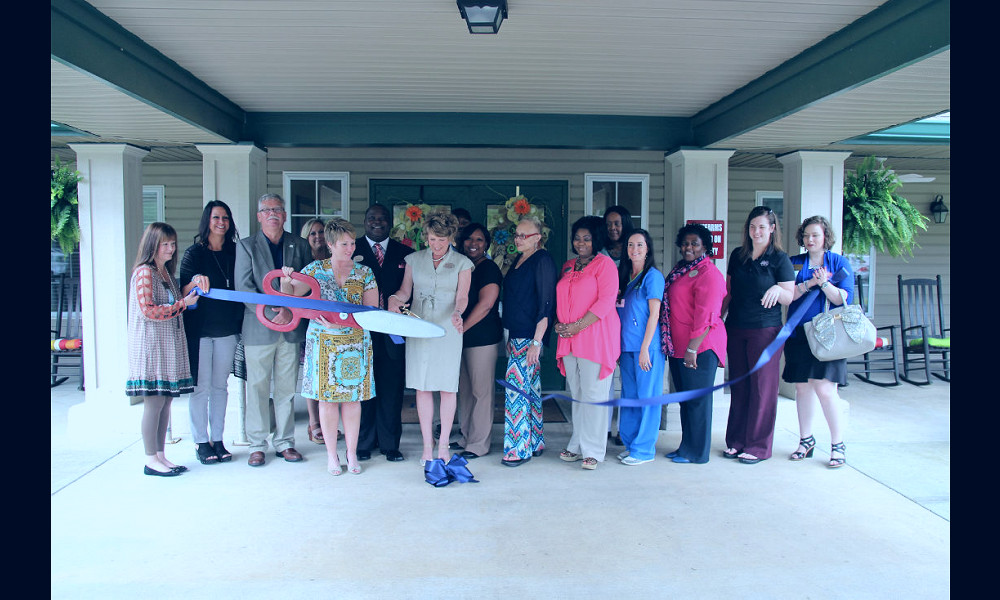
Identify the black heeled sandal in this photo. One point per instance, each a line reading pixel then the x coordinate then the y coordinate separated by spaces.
pixel 809 444
pixel 836 463
pixel 206 455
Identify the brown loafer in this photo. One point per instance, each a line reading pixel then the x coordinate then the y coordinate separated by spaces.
pixel 290 455
pixel 256 459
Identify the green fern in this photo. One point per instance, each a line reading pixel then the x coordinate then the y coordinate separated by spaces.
pixel 874 215
pixel 65 224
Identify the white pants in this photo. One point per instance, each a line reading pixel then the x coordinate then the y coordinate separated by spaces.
pixel 590 423
pixel 207 406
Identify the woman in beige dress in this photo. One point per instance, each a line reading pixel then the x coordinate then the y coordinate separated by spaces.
pixel 436 287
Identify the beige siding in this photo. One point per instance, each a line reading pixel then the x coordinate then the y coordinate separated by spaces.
pixel 182 196
pixel 474 163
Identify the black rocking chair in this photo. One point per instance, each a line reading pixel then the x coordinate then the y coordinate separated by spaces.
pixel 926 341
pixel 882 359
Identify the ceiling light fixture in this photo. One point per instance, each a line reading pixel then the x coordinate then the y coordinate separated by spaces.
pixel 483 16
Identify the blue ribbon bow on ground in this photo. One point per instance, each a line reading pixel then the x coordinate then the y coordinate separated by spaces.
pixel 439 474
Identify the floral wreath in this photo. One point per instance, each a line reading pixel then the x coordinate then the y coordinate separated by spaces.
pixel 502 225
pixel 410 231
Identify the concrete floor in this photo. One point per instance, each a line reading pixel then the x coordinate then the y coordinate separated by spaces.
pixel 878 528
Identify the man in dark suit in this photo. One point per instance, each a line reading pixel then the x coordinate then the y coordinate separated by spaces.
pixel 270 354
pixel 381 418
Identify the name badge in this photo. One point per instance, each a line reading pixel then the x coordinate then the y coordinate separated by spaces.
pixel 693 273
pixel 448 265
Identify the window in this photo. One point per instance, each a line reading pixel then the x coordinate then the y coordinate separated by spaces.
pixel 152 204
pixel 773 200
pixel 627 190
pixel 315 195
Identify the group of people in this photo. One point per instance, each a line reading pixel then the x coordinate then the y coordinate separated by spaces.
pixel 610 306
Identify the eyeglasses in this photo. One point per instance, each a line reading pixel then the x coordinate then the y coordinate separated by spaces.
pixel 276 211
pixel 522 236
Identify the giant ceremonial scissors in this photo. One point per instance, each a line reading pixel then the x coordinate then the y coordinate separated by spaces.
pixel 312 305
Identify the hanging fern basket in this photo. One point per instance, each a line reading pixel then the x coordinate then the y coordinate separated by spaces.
pixel 874 215
pixel 65 226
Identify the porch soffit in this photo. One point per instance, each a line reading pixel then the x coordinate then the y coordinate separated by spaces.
pixel 634 72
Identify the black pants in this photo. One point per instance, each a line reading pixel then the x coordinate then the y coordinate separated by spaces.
pixel 381 417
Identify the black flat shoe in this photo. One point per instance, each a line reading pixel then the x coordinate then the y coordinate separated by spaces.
pixel 468 454
pixel 147 471
pixel 514 463
pixel 179 469
pixel 393 455
pixel 455 446
pixel 538 452
pixel 364 454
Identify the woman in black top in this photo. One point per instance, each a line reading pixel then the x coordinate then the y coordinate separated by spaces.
pixel 212 330
pixel 759 278
pixel 529 302
pixel 483 332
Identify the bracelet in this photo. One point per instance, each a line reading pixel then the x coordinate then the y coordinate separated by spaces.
pixel 825 283
pixel 397 298
pixel 690 351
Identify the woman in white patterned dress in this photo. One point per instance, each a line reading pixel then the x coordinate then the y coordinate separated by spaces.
pixel 338 360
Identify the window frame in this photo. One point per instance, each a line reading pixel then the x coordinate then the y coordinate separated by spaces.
pixel 588 201
pixel 160 192
pixel 287 177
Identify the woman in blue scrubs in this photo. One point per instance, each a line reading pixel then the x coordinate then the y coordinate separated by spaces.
pixel 640 292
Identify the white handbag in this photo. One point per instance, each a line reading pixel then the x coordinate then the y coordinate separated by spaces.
pixel 843 332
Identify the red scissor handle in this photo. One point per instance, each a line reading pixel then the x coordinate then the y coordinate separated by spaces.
pixel 300 313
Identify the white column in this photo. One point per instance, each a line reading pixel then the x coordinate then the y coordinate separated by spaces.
pixel 110 209
pixel 237 175
pixel 699 189
pixel 814 185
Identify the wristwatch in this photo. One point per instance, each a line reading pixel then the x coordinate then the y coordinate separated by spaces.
pixel 824 284
pixel 534 343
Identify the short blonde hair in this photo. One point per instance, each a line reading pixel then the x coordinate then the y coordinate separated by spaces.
pixel 538 225
pixel 441 224
pixel 337 227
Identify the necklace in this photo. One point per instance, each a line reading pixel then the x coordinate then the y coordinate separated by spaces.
pixel 221 270
pixel 437 260
pixel 580 264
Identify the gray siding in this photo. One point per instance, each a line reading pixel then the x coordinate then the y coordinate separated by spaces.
pixel 182 196
pixel 931 258
pixel 474 163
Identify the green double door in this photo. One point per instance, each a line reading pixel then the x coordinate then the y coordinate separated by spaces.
pixel 478 196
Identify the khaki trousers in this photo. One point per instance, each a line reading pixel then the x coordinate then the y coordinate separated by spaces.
pixel 475 397
pixel 278 361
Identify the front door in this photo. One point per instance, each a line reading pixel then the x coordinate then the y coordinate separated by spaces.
pixel 479 197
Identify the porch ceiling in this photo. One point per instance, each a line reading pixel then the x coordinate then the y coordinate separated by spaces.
pixel 212 65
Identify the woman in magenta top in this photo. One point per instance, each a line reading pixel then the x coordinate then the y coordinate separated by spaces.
pixel 694 337
pixel 589 338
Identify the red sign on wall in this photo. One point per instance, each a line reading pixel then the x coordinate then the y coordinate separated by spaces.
pixel 717 228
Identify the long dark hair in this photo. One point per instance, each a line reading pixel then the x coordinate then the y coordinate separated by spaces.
pixel 149 244
pixel 232 236
pixel 625 266
pixel 773 244
pixel 627 227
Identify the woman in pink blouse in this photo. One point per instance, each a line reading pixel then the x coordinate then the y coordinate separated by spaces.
pixel 589 338
pixel 694 337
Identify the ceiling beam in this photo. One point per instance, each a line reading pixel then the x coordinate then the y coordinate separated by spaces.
pixel 503 130
pixel 85 39
pixel 895 35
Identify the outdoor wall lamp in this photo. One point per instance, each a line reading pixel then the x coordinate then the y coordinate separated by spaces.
pixel 483 16
pixel 939 210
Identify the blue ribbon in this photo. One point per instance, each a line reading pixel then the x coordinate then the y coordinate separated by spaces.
pixel 768 353
pixel 332 306
pixel 439 474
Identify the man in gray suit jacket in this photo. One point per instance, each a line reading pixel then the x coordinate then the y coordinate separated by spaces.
pixel 270 354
